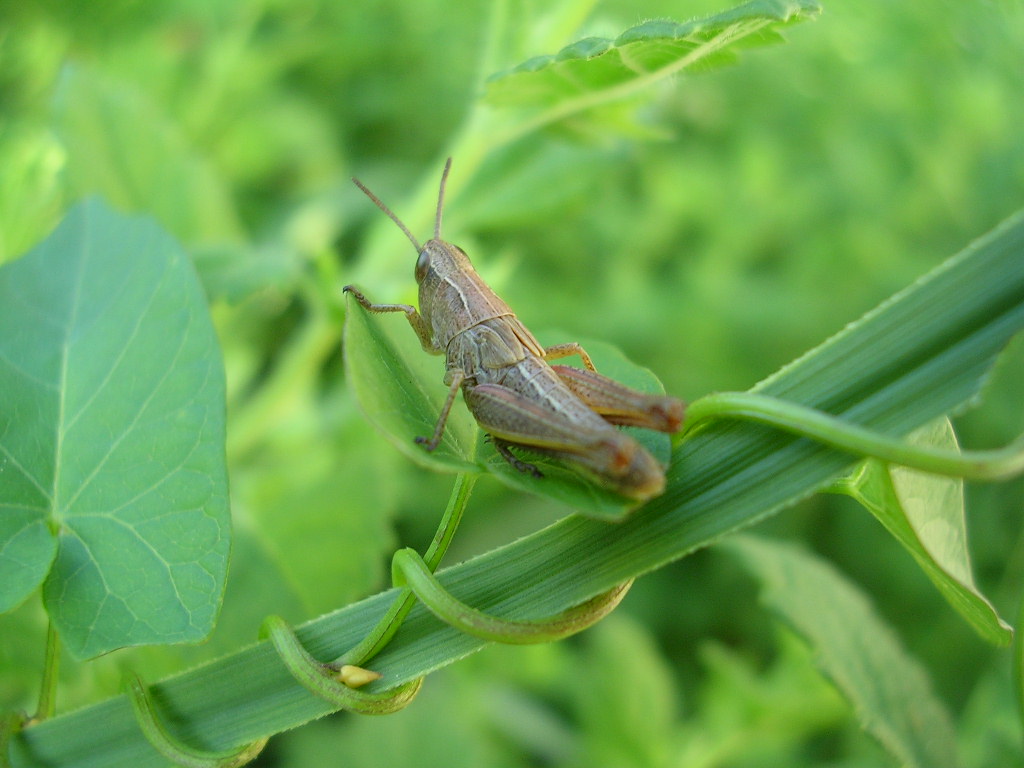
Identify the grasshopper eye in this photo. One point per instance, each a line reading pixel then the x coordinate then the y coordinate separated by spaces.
pixel 422 265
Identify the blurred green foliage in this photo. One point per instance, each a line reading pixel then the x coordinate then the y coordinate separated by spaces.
pixel 713 229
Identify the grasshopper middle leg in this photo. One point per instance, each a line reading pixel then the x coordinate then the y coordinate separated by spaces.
pixel 430 444
pixel 502 447
pixel 558 351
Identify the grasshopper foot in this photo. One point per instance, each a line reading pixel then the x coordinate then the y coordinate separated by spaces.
pixel 428 444
pixel 523 466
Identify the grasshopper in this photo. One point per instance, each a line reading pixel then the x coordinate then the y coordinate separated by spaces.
pixel 508 383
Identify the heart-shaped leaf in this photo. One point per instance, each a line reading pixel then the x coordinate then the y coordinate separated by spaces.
pixel 113 485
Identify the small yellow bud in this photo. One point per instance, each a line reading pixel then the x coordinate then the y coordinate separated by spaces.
pixel 356 677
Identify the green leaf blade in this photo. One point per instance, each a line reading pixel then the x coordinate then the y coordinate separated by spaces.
pixel 889 689
pixel 116 415
pixel 925 513
pixel 399 388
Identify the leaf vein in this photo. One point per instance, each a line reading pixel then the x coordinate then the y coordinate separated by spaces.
pixel 129 428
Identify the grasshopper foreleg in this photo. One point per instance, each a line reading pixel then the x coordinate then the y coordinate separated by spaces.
pixel 419 325
pixel 558 351
pixel 622 405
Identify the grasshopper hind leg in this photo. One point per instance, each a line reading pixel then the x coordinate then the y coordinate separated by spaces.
pixel 622 405
pixel 568 431
pixel 502 447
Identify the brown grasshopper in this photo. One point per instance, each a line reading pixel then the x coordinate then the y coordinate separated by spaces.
pixel 511 390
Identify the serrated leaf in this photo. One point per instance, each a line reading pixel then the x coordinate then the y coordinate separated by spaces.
pixel 926 515
pixel 111 436
pixel 641 55
pixel 400 389
pixel 889 689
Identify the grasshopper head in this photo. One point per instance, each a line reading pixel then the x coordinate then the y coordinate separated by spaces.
pixel 436 257
pixel 441 259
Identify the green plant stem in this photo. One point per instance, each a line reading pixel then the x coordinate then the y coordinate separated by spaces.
pixel 178 753
pixel 389 623
pixel 409 567
pixel 10 724
pixel 835 432
pixel 51 667
pixel 321 680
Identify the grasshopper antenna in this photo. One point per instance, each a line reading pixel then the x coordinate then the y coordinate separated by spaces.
pixel 401 226
pixel 440 198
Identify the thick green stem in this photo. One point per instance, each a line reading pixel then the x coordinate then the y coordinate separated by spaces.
pixel 389 623
pixel 837 433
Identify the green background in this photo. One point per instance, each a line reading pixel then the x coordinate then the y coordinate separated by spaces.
pixel 713 230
